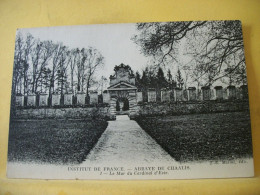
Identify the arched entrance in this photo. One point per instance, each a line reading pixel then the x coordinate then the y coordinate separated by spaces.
pixel 122 91
pixel 122 105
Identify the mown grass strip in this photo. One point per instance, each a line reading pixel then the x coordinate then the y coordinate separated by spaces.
pixel 53 141
pixel 199 137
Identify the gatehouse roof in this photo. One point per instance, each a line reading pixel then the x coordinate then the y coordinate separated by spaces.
pixel 121 86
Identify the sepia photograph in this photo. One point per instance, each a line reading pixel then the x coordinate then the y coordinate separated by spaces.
pixel 159 100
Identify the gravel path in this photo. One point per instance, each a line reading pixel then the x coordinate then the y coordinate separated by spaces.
pixel 125 142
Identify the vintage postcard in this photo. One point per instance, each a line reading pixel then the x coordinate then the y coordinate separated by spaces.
pixel 164 100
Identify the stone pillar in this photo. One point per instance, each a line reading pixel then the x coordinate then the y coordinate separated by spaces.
pixel 139 96
pixel 206 93
pixel 231 91
pixel 43 99
pixel 151 95
pixel 31 100
pixel 178 94
pixel 199 94
pixel 106 98
pixel 185 95
pixel 219 92
pixel 225 94
pixel 165 95
pixel 55 100
pixel 81 98
pixel 19 100
pixel 192 93
pixel 112 104
pixel 238 93
pixel 93 97
pixel 172 96
pixel 244 91
pixel 68 98
pixel 212 94
pixel 133 102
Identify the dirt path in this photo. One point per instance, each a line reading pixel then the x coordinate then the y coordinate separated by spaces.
pixel 125 142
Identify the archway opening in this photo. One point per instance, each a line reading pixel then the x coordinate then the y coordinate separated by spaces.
pixel 122 104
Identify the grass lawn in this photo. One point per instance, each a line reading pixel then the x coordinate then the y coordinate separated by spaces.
pixel 198 137
pixel 53 141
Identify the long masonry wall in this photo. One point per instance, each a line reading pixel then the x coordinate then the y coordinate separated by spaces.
pixel 69 113
pixel 141 109
pixel 176 101
pixel 192 94
pixel 178 108
pixel 176 95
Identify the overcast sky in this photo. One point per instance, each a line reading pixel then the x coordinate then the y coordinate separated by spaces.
pixel 114 43
pixel 112 40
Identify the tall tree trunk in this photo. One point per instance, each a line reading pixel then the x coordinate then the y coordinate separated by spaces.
pixel 33 84
pixel 61 87
pixel 25 83
pixel 71 76
pixel 78 83
pixel 88 85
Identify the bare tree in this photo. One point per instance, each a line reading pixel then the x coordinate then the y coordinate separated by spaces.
pixel 196 71
pixel 57 50
pixel 241 77
pixel 186 74
pixel 40 55
pixel 73 56
pixel 160 40
pixel 29 42
pixel 94 61
pixel 62 69
pixel 47 52
pixel 18 62
pixel 88 63
pixel 42 65
pixel 36 56
pixel 102 83
pixel 210 44
pixel 179 79
pixel 81 68
pixel 214 46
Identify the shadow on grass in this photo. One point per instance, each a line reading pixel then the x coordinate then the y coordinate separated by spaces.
pixel 53 141
pixel 199 137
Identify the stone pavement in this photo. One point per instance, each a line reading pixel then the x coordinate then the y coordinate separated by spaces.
pixel 125 142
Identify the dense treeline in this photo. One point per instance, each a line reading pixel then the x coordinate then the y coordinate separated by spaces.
pixel 48 67
pixel 154 78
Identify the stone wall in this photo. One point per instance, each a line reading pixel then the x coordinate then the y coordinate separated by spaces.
pixel 179 108
pixel 176 101
pixel 70 113
pixel 68 99
pixel 176 95
pixel 151 95
pixel 203 94
pixel 143 109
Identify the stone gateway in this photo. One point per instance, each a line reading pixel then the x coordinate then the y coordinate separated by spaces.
pixel 122 91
